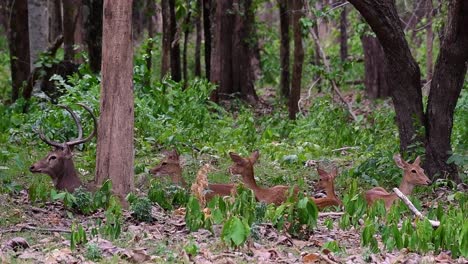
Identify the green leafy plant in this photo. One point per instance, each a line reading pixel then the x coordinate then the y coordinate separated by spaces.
pixel 141 208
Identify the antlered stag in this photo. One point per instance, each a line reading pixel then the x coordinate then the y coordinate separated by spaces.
pixel 58 163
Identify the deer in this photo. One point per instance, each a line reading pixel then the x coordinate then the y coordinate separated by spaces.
pixel 413 175
pixel 58 163
pixel 170 166
pixel 279 193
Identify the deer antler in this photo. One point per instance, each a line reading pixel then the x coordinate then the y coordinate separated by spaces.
pixel 78 140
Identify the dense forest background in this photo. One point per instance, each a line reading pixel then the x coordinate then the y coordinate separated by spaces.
pixel 328 84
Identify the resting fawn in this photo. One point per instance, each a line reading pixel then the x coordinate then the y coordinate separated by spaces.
pixel 327 183
pixel 170 166
pixel 413 175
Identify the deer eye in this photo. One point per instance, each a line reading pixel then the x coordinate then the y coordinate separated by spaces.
pixel 413 171
pixel 52 157
pixel 164 163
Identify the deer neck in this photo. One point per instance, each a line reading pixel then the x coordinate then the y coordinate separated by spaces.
pixel 177 177
pixel 67 179
pixel 249 180
pixel 405 187
pixel 330 191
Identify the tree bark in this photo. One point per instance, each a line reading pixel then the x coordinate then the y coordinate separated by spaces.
pixel 115 129
pixel 429 40
pixel 449 75
pixel 198 38
pixel 343 35
pixel 404 75
pixel 18 42
pixel 375 79
pixel 298 6
pixel 175 49
pixel 184 52
pixel 38 29
pixel 284 48
pixel 166 38
pixel 70 16
pixel 93 25
pixel 55 19
pixel 207 35
pixel 151 6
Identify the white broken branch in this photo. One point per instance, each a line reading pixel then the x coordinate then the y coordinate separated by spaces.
pixel 413 208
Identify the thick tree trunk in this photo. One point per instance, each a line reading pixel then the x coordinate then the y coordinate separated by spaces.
pixel 184 52
pixel 207 35
pixel 343 35
pixel 198 38
pixel 175 49
pixel 55 19
pixel 38 29
pixel 298 5
pixel 93 25
pixel 404 74
pixel 449 75
pixel 284 48
pixel 79 34
pixel 166 38
pixel 375 79
pixel 18 42
pixel 114 157
pixel 70 16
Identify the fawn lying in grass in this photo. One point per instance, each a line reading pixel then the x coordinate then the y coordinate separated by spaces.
pixel 413 175
pixel 170 166
pixel 278 194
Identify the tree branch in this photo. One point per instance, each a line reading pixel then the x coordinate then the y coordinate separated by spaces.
pixel 413 208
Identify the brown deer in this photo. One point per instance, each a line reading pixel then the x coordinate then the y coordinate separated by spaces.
pixel 327 183
pixel 413 175
pixel 244 167
pixel 170 166
pixel 58 163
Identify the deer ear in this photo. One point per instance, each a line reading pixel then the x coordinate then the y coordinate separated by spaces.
pixel 173 154
pixel 334 172
pixel 399 161
pixel 322 174
pixel 254 156
pixel 417 161
pixel 236 158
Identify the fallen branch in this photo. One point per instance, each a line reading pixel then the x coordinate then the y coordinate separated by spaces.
pixel 344 148
pixel 33 228
pixel 413 208
pixel 330 214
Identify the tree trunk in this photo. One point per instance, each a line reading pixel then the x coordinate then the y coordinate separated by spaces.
pixel 284 49
pixel 184 52
pixel 151 6
pixel 79 34
pixel 166 38
pixel 93 25
pixel 207 35
pixel 70 16
pixel 38 29
pixel 198 38
pixel 298 6
pixel 449 75
pixel 175 49
pixel 343 35
pixel 429 41
pixel 55 19
pixel 18 42
pixel 404 75
pixel 375 79
pixel 114 157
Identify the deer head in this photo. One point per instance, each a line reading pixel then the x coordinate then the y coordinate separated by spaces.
pixel 413 174
pixel 58 163
pixel 170 166
pixel 326 180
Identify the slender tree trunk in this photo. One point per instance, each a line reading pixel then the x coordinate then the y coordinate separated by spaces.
pixel 18 42
pixel 449 75
pixel 404 75
pixel 151 13
pixel 166 42
pixel 175 49
pixel 38 29
pixel 207 35
pixel 284 49
pixel 55 19
pixel 184 52
pixel 343 35
pixel 79 34
pixel 198 38
pixel 93 25
pixel 298 6
pixel 375 79
pixel 70 15
pixel 429 41
pixel 115 130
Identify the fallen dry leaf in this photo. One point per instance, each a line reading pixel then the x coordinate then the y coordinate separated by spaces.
pixel 310 258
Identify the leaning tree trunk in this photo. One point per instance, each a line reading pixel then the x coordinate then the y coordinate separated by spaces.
pixel 198 38
pixel 449 75
pixel 93 26
pixel 375 79
pixel 284 48
pixel 18 42
pixel 114 157
pixel 404 75
pixel 298 59
pixel 166 38
pixel 207 35
pixel 175 49
pixel 38 29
